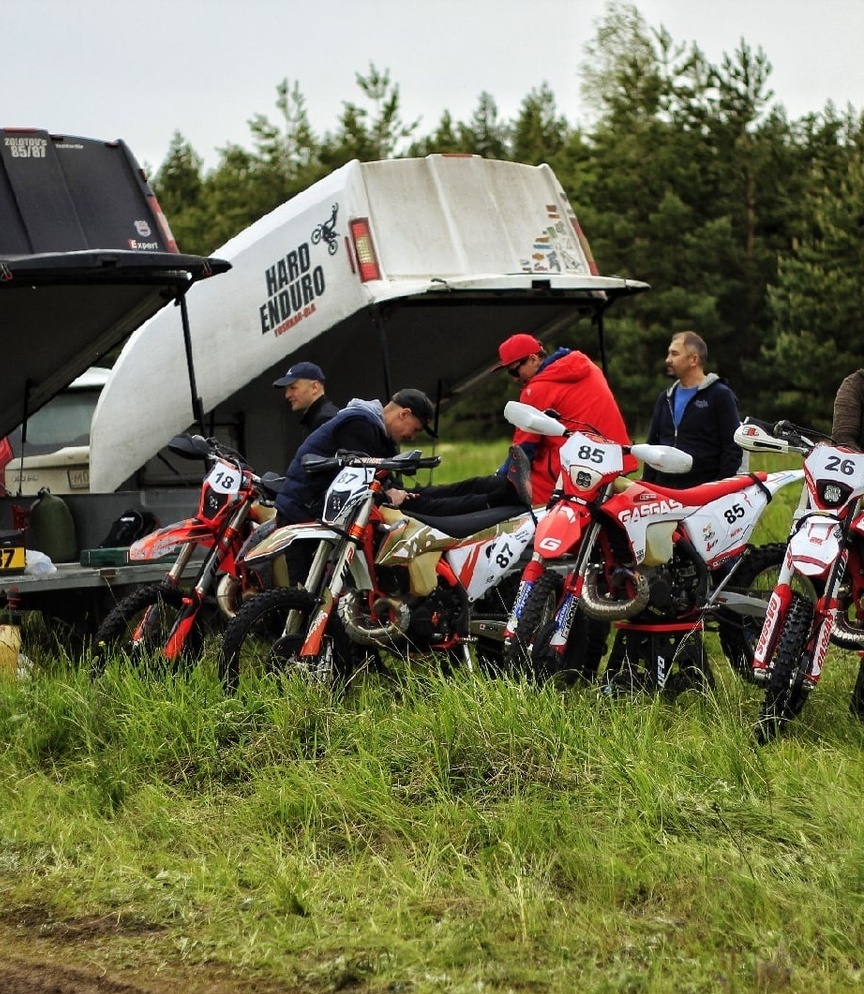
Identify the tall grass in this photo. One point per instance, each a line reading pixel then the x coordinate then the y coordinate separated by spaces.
pixel 441 834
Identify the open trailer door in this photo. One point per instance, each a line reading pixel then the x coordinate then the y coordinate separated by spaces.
pixel 86 256
pixel 405 272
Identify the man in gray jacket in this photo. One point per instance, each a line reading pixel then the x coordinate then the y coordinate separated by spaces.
pixel 697 414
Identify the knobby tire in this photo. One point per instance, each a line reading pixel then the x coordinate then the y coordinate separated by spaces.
pixel 756 576
pixel 787 689
pixel 115 633
pixel 254 640
pixel 530 652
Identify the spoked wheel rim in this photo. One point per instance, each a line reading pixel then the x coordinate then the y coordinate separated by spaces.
pixel 256 642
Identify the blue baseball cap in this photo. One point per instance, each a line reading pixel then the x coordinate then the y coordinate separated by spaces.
pixel 300 371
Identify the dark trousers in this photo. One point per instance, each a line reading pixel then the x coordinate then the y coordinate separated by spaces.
pixel 477 493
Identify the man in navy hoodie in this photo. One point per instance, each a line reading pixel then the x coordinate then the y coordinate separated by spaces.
pixel 377 429
pixel 697 414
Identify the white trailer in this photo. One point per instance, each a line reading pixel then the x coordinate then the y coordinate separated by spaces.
pixel 406 272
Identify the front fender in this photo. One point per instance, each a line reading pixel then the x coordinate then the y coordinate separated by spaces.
pixel 560 530
pixel 815 545
pixel 168 539
pixel 278 541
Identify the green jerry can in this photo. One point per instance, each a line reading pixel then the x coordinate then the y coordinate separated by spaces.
pixel 52 529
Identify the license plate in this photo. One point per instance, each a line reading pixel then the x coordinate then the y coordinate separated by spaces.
pixel 12 557
pixel 79 479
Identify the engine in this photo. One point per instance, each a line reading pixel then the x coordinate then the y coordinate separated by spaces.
pixel 397 618
pixel 675 588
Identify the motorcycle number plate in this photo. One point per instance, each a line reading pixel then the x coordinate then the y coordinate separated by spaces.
pixel 581 451
pixel 224 479
pixel 828 463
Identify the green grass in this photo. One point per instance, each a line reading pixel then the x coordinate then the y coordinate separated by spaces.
pixel 442 834
pixel 460 461
pixel 439 835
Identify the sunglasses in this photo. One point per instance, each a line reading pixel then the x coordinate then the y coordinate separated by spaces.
pixel 514 370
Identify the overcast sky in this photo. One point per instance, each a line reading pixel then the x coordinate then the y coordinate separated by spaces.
pixel 142 70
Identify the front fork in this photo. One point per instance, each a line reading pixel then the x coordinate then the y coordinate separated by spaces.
pixel 227 542
pixel 573 582
pixel 825 610
pixel 330 588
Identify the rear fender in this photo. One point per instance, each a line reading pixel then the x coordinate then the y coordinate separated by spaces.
pixel 168 539
pixel 776 481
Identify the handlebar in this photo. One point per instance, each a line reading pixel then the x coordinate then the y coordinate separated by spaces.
pixel 756 435
pixel 190 446
pixel 407 463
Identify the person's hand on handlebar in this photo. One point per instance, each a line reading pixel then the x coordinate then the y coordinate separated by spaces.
pixel 397 497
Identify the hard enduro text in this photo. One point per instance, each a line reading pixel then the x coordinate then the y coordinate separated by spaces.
pixel 293 286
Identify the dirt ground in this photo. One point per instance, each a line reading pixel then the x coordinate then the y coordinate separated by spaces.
pixel 41 955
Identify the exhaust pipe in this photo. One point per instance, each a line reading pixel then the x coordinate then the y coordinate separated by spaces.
pixel 596 606
pixel 229 596
pixel 357 625
pixel 846 635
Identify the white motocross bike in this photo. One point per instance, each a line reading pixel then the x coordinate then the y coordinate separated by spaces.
pixel 819 596
pixel 380 578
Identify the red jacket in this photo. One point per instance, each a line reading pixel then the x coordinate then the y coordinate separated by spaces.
pixel 574 386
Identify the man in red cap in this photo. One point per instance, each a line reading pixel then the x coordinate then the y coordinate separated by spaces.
pixel 576 388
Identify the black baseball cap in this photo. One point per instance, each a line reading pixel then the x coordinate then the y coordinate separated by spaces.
pixel 419 405
pixel 300 371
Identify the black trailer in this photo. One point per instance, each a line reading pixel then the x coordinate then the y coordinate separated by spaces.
pixel 86 256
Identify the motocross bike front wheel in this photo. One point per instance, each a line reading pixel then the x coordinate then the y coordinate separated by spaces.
pixel 139 626
pixel 787 687
pixel 756 576
pixel 530 651
pixel 255 641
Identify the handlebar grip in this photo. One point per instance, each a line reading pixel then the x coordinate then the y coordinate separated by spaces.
pixel 791 433
pixel 766 426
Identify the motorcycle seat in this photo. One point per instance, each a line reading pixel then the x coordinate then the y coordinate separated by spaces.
pixel 705 492
pixel 463 525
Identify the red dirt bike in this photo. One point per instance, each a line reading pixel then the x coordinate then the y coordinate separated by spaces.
pixel 169 617
pixel 381 579
pixel 652 560
pixel 819 595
